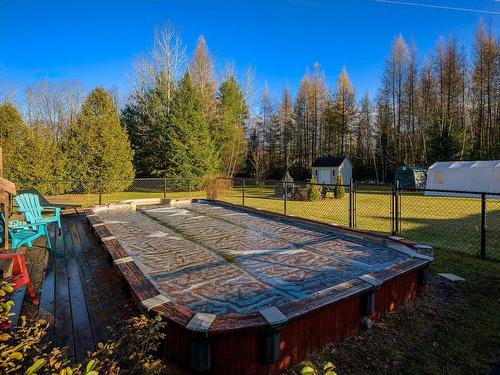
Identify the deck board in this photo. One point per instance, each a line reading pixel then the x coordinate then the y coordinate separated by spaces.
pixel 80 291
pixel 63 323
pixel 83 337
pixel 91 289
pixel 46 286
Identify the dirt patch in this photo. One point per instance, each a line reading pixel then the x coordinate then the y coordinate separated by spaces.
pixel 384 348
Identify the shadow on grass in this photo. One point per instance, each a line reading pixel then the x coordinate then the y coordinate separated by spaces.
pixel 461 235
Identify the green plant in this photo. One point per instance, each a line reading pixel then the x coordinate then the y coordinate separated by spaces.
pixel 314 190
pixel 308 368
pixel 339 190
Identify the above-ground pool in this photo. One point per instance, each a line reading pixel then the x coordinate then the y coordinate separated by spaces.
pixel 246 291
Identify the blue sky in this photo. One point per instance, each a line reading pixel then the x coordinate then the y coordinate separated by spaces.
pixel 96 41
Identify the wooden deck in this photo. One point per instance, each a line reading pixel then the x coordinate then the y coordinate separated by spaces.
pixel 80 292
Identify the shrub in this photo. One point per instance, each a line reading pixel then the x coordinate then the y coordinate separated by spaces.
pixel 308 368
pixel 314 191
pixel 130 350
pixel 324 192
pixel 215 186
pixel 299 193
pixel 339 190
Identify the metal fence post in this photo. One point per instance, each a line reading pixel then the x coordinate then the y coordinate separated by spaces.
pixel 243 194
pixel 100 191
pixel 164 188
pixel 483 225
pixel 397 224
pixel 393 209
pixel 397 208
pixel 285 196
pixel 352 211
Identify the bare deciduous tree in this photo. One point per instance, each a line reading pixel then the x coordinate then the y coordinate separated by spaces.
pixel 7 91
pixel 260 164
pixel 160 68
pixel 53 105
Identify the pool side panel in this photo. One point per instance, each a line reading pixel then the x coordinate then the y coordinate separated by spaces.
pixel 237 340
pixel 242 352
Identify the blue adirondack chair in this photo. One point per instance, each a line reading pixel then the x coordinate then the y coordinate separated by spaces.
pixel 29 205
pixel 22 234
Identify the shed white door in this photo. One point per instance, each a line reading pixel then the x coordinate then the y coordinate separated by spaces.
pixel 324 176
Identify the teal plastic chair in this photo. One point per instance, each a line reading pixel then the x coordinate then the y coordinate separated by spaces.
pixel 29 205
pixel 22 234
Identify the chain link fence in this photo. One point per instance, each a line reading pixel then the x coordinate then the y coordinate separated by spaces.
pixel 373 207
pixel 455 221
pixel 88 193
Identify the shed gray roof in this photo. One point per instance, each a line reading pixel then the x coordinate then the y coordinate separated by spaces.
pixel 415 168
pixel 329 161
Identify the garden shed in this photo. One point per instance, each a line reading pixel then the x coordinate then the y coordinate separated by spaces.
pixel 474 176
pixel 327 168
pixel 412 176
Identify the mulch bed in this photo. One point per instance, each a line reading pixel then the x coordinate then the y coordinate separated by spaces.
pixel 383 349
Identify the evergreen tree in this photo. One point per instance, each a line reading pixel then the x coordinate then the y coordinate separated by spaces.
pixel 146 120
pixel 46 169
pixel 31 156
pixel 339 190
pixel 97 146
pixel 191 152
pixel 314 190
pixel 229 129
pixel 13 139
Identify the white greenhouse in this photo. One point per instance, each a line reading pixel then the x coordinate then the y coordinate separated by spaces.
pixel 473 176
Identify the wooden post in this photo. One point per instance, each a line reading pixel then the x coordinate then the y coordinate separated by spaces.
pixel 6 187
pixel 1 162
pixel 5 208
pixel 5 223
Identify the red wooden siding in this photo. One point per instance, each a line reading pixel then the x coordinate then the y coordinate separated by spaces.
pixel 395 292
